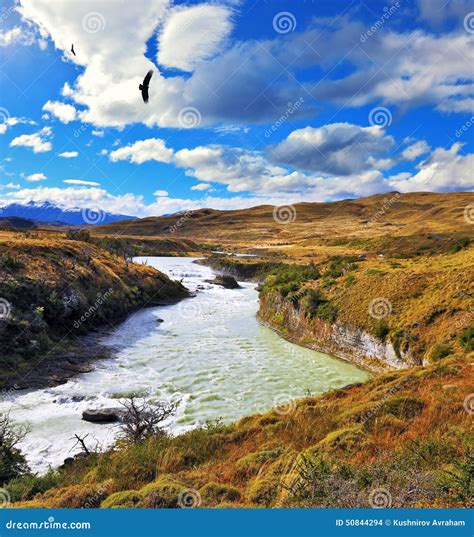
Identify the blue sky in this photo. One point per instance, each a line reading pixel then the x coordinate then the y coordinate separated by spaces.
pixel 251 102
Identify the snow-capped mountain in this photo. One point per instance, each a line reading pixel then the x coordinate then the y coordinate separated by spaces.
pixel 48 212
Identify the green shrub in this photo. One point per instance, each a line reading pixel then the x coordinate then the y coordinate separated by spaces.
pixel 125 498
pixel 25 487
pixel 440 351
pixel 213 493
pixel 381 330
pixel 164 492
pixel 466 339
pixel 316 305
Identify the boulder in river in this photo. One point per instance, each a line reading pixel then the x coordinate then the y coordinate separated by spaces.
pixel 158 320
pixel 102 415
pixel 229 282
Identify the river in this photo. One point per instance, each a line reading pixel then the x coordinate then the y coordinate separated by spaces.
pixel 210 353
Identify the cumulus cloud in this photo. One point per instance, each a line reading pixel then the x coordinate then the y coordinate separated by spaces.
pixel 193 34
pixel 38 141
pixel 68 154
pixel 160 193
pixel 336 149
pixel 445 170
pixel 63 111
pixel 35 177
pixel 142 151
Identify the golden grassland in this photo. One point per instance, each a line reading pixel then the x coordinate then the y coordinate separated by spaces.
pixel 408 433
pixel 311 226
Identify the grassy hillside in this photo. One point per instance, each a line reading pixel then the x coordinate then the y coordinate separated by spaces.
pixel 53 290
pixel 385 215
pixel 403 438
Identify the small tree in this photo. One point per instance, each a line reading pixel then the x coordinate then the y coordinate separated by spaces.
pixel 12 461
pixel 142 419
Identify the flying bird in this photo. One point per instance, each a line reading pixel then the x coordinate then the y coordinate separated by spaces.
pixel 72 49
pixel 145 85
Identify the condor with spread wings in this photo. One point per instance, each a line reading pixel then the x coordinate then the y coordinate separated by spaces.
pixel 145 85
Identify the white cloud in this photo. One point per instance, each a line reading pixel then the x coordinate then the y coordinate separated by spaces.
pixel 201 186
pixel 193 34
pixel 64 112
pixel 142 151
pixel 335 149
pixel 444 171
pixel 12 121
pixel 415 150
pixel 37 141
pixel 35 177
pixel 98 133
pixel 16 34
pixel 68 154
pixel 80 182
pixel 160 193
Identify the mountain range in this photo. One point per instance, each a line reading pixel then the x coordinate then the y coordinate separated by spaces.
pixel 53 214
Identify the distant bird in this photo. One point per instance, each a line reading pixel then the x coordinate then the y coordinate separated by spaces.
pixel 72 49
pixel 146 84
